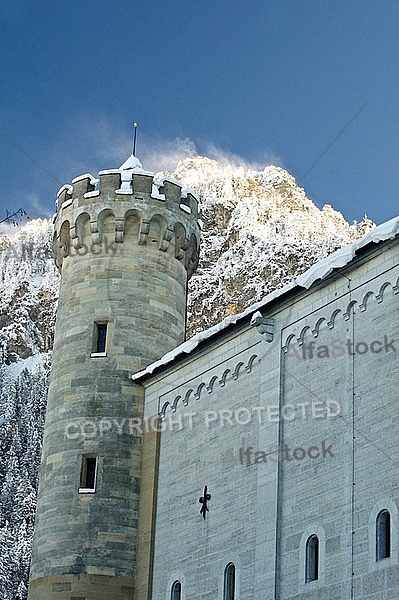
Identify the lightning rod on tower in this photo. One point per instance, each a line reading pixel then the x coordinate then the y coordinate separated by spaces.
pixel 134 139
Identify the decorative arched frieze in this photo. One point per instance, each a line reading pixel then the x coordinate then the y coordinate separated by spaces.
pixel 347 314
pixel 227 375
pixel 141 226
pixel 167 216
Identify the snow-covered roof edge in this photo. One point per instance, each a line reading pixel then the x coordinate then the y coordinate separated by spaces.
pixel 343 256
pixel 320 270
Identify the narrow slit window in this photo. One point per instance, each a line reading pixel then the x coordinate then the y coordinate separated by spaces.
pixel 176 591
pixel 312 559
pixel 88 474
pixel 101 337
pixel 229 582
pixel 383 535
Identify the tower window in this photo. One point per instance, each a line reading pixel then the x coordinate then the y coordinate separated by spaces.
pixel 312 559
pixel 88 474
pixel 383 535
pixel 175 593
pixel 101 336
pixel 229 582
pixel 100 339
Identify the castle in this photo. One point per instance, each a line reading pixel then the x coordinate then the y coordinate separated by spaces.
pixel 257 460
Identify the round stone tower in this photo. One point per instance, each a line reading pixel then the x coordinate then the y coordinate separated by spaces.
pixel 125 246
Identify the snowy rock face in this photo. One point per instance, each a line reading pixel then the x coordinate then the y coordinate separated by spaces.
pixel 260 230
pixel 29 281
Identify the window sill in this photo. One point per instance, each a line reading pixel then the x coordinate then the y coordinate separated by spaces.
pixel 98 354
pixel 87 491
pixel 310 585
pixel 383 562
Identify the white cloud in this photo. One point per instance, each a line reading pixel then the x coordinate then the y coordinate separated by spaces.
pixel 164 155
pixel 95 143
pixel 225 157
pixel 34 206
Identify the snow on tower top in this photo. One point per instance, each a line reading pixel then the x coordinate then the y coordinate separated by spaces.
pixel 131 163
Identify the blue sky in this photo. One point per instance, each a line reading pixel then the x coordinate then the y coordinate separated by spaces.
pixel 270 81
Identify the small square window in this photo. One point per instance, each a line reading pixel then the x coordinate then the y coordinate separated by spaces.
pixel 88 474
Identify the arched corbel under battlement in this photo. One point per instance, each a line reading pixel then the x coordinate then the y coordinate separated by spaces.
pixel 132 226
pixel 181 243
pixel 81 233
pixel 106 225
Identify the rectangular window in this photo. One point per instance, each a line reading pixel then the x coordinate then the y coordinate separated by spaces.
pixel 88 474
pixel 101 336
pixel 100 340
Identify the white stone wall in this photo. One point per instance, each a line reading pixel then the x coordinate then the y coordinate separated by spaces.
pixel 260 515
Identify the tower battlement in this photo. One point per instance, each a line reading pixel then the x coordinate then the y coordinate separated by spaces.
pixel 127 202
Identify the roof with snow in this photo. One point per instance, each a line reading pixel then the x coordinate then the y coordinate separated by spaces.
pixel 131 163
pixel 319 271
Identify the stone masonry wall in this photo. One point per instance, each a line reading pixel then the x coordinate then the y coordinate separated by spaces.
pixel 340 407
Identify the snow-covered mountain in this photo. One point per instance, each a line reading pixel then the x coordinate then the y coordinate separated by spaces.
pixel 29 283
pixel 259 231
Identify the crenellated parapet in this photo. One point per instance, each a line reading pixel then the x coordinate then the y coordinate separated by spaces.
pixel 126 205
